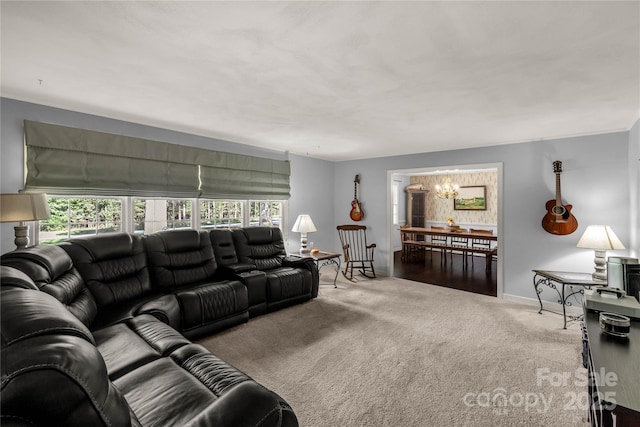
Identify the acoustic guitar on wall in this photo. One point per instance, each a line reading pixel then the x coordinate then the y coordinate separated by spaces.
pixel 356 213
pixel 559 219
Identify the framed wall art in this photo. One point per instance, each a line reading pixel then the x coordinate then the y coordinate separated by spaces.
pixel 472 198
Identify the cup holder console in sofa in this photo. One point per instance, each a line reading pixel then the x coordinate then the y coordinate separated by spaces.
pixel 95 330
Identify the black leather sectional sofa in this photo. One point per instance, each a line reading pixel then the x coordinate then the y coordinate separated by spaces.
pixel 96 331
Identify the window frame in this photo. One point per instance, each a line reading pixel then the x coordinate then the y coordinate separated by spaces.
pixel 37 229
pixel 127 215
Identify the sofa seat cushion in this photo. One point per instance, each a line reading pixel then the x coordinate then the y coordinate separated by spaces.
pixel 138 341
pixel 122 349
pixel 195 388
pixel 122 311
pixel 205 305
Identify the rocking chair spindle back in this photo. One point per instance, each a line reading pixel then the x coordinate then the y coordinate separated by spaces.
pixel 357 252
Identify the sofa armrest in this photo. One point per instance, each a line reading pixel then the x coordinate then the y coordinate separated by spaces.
pixel 247 404
pixel 237 268
pixel 299 262
pixel 166 308
pixel 240 400
pixel 309 264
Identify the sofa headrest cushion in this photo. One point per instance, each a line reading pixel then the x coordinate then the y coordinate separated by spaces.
pixel 180 257
pixel 110 245
pixel 27 313
pixel 262 246
pixel 50 261
pixel 261 235
pixel 174 241
pixel 113 266
pixel 12 277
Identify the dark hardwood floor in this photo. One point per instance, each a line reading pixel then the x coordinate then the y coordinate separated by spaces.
pixel 472 278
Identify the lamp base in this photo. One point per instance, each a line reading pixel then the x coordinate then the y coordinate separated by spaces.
pixel 600 262
pixel 303 243
pixel 22 236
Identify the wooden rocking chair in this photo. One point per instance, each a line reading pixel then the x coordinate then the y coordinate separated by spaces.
pixel 357 253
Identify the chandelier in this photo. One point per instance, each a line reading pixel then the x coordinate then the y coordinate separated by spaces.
pixel 447 190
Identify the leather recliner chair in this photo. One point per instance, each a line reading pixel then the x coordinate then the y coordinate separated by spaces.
pixel 86 315
pixel 182 262
pixel 290 280
pixel 54 373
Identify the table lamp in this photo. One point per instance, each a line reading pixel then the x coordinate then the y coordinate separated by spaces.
pixel 23 207
pixel 600 238
pixel 303 225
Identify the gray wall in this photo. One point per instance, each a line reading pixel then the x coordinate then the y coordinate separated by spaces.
pixel 595 180
pixel 634 188
pixel 312 193
pixel 311 179
pixel 600 178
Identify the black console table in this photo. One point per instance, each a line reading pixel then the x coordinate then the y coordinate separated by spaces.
pixel 562 280
pixel 614 379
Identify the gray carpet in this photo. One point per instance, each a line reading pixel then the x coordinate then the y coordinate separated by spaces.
pixel 391 352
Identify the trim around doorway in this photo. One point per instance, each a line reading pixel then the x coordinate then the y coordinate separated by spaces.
pixel 498 167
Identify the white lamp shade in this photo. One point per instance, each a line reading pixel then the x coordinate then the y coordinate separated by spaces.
pixel 23 207
pixel 599 237
pixel 304 224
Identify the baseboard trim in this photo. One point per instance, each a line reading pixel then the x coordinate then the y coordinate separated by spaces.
pixel 574 310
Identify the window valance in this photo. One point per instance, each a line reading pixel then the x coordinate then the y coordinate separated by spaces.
pixel 71 161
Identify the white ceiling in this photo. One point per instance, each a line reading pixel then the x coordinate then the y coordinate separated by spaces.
pixel 334 80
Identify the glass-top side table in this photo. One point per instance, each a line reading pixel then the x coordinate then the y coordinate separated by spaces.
pixel 322 259
pixel 559 281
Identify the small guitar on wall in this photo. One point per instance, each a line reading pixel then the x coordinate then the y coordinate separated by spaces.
pixel 559 219
pixel 356 213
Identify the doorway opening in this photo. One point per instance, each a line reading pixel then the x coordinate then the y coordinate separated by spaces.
pixel 460 269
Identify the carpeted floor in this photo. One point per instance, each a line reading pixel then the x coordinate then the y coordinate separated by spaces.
pixel 391 352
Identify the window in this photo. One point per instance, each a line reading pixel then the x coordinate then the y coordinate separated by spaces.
pixel 79 216
pixel 151 215
pixel 76 216
pixel 221 213
pixel 240 213
pixel 265 213
pixel 395 190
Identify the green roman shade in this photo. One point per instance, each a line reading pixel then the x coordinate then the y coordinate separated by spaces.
pixel 70 161
pixel 234 176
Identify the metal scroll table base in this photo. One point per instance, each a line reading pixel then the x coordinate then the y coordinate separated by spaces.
pixel 576 282
pixel 335 261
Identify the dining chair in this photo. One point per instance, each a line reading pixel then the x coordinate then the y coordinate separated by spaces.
pixel 410 247
pixel 460 244
pixel 439 241
pixel 480 243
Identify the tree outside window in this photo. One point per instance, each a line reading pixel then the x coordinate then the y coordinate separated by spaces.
pixel 221 213
pixel 152 215
pixel 78 216
pixel 75 217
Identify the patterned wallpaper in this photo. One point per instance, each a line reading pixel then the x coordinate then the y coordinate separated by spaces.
pixel 438 210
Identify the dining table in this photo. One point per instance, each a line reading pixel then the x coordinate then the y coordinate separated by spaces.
pixel 422 238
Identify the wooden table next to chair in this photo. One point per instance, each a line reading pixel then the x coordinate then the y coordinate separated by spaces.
pixel 411 241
